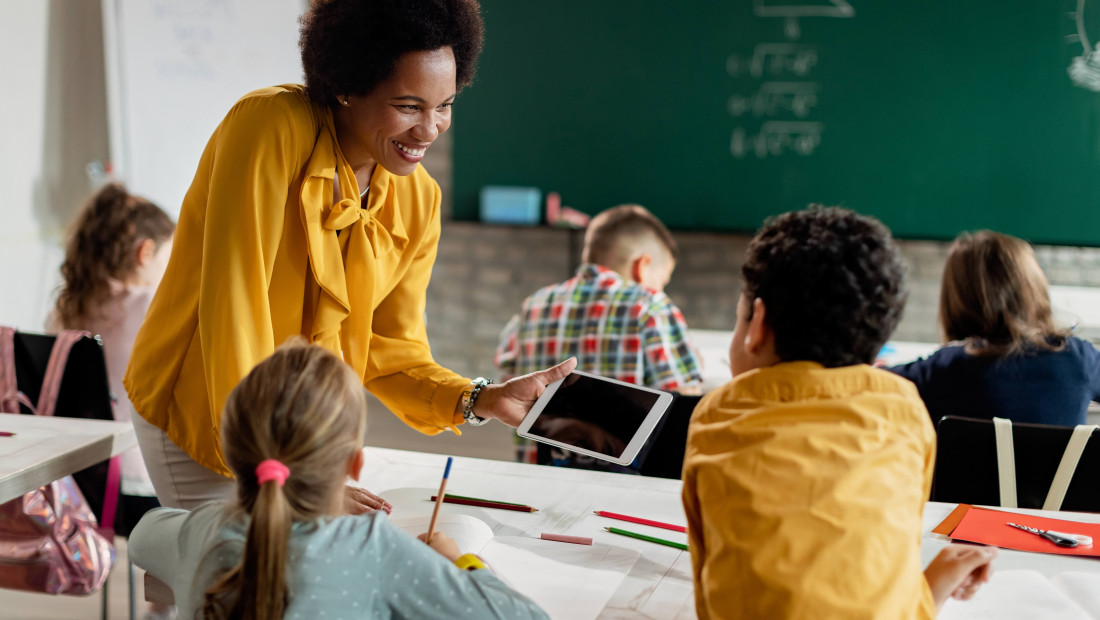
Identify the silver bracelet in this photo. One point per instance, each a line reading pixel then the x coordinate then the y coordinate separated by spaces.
pixel 469 399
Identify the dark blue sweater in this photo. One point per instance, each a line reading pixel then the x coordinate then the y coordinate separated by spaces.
pixel 1044 387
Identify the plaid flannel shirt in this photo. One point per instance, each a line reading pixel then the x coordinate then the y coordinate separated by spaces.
pixel 615 329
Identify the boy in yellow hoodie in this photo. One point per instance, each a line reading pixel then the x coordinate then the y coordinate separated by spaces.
pixel 806 476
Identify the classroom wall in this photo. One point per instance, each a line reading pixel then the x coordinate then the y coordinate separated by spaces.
pixel 53 123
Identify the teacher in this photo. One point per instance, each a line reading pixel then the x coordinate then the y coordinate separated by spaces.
pixel 311 215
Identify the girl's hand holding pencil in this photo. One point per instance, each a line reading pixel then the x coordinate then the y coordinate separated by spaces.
pixel 443 544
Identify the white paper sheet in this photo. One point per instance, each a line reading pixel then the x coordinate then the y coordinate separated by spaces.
pixel 571 582
pixel 470 534
pixel 1024 595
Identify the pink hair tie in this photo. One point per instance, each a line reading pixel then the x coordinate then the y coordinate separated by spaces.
pixel 271 470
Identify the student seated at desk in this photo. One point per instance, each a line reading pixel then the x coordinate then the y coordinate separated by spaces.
pixel 292 430
pixel 1005 357
pixel 806 476
pixel 613 315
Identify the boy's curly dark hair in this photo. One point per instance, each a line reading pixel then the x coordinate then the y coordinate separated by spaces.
pixel 832 282
pixel 350 46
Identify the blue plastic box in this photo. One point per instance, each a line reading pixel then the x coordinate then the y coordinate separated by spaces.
pixel 511 205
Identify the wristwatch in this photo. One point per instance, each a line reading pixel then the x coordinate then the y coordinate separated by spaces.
pixel 469 399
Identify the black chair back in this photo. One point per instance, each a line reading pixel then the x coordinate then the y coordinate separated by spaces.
pixel 664 456
pixel 966 465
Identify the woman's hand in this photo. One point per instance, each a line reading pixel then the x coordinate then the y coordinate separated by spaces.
pixel 443 544
pixel 958 571
pixel 510 401
pixel 358 501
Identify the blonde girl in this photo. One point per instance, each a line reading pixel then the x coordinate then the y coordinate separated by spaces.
pixel 292 432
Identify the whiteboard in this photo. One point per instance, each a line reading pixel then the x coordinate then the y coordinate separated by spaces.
pixel 174 68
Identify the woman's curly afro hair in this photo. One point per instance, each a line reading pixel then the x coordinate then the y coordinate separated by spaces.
pixel 350 46
pixel 832 282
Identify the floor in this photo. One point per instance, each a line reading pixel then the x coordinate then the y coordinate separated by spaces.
pixel 492 441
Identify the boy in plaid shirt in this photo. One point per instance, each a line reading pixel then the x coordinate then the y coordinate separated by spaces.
pixel 613 315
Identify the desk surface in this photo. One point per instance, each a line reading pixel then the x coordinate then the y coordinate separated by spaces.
pixel 44 449
pixel 659 585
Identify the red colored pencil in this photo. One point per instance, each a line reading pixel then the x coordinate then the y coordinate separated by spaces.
pixel 481 504
pixel 615 515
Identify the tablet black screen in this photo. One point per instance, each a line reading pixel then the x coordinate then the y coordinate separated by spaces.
pixel 595 415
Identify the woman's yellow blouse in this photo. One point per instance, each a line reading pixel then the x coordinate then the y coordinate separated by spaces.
pixel 257 259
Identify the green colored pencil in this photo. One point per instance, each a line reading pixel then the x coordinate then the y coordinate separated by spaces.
pixel 652 539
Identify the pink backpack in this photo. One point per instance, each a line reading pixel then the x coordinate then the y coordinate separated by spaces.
pixel 49 539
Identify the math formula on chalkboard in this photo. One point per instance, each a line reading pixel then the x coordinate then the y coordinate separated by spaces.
pixel 777 94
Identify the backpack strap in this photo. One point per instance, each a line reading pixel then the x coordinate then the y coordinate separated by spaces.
pixel 1006 461
pixel 110 497
pixel 55 370
pixel 1074 449
pixel 47 403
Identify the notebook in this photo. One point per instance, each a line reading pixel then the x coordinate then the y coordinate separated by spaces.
pixel 568 581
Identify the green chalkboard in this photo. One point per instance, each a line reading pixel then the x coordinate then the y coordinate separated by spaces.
pixel 936 116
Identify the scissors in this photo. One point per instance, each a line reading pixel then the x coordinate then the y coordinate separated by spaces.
pixel 1059 538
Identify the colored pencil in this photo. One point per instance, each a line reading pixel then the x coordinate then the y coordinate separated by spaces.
pixel 652 539
pixel 479 499
pixel 640 521
pixel 481 504
pixel 576 540
pixel 6 434
pixel 438 503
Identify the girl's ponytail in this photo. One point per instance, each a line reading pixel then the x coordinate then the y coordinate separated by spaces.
pixel 259 582
pixel 288 431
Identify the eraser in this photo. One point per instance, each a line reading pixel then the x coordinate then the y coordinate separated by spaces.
pixel 576 540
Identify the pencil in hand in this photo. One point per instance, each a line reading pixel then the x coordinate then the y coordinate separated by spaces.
pixel 439 500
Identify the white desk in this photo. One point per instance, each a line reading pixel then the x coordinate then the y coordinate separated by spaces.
pixel 659 586
pixel 44 449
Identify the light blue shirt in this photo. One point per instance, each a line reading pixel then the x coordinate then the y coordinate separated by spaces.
pixel 338 567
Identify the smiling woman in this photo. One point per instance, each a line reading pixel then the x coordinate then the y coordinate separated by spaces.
pixel 310 216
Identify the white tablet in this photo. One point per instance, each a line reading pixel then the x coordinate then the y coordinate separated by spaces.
pixel 603 418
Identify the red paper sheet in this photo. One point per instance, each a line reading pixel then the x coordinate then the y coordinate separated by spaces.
pixel 982 525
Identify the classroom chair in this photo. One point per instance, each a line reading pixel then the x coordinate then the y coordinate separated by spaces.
pixel 664 457
pixel 84 393
pixel 1018 470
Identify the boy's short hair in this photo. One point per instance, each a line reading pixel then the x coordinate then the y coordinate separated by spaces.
pixel 625 222
pixel 832 282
